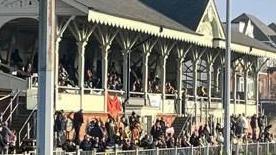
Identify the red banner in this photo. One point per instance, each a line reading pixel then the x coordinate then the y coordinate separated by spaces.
pixel 113 106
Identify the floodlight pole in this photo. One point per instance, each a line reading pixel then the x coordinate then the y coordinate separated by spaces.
pixel 227 143
pixel 47 35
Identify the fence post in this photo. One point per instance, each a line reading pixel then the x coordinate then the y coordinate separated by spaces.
pixel 28 130
pixel 175 150
pixel 267 148
pixel 94 151
pixel 10 121
pixel 192 150
pixel 78 151
pixel 116 151
pixel 157 151
pixel 137 151
pixel 246 148
pixel 258 150
pixel 207 149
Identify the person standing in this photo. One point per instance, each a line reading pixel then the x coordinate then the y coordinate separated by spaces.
pixel 77 122
pixel 59 127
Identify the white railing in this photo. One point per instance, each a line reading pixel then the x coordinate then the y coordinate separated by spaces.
pixel 116 91
pixel 236 149
pixel 26 125
pixel 93 91
pixel 5 97
pixel 8 112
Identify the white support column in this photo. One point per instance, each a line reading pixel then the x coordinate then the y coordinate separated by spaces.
pixel 105 35
pixel 234 89
pixel 246 67
pixel 256 90
pixel 211 58
pixel 82 33
pixel 196 57
pixel 195 68
pixel 216 79
pixel 222 61
pixel 126 40
pixel 245 90
pixel 58 40
pixel 257 68
pixel 163 80
pixel 105 50
pixel 125 69
pixel 60 29
pixel 182 51
pixel 81 52
pixel 147 49
pixel 145 74
pixel 209 79
pixel 165 48
pixel 179 85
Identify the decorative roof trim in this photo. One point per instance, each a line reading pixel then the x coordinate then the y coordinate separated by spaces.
pixel 124 23
pixel 245 49
pixel 212 4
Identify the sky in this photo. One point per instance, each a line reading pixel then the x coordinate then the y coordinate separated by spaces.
pixel 263 9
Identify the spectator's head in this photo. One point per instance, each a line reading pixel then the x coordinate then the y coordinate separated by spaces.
pixel 86 137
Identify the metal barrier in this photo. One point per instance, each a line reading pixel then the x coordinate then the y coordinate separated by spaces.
pixel 27 126
pixel 237 149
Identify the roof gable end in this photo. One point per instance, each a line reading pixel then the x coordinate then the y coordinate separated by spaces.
pixel 210 23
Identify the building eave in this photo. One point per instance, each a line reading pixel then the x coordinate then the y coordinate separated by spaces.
pixel 150 29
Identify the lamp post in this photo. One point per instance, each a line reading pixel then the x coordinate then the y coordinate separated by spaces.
pixel 46 52
pixel 227 145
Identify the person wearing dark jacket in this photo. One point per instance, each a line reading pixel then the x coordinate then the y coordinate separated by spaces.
pixel 77 122
pixel 59 127
pixel 86 144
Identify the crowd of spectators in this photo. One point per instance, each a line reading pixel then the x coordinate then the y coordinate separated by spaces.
pixel 128 134
pixel 154 86
pixel 16 66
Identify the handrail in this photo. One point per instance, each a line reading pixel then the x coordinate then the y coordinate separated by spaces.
pixel 68 88
pixel 5 97
pixel 25 123
pixel 115 91
pixel 11 102
pixel 136 93
pixel 10 115
pixel 189 117
pixel 94 89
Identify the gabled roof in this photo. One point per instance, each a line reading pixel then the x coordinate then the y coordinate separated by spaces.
pixel 242 39
pixel 186 12
pixel 255 21
pixel 139 10
pixel 272 26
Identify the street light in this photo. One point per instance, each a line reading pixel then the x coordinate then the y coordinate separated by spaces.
pixel 227 145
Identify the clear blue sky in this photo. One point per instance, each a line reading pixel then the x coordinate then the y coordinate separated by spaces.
pixel 263 9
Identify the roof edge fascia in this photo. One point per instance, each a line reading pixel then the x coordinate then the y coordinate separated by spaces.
pixel 219 43
pixel 139 26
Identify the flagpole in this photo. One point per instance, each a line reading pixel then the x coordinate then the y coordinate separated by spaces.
pixel 227 143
